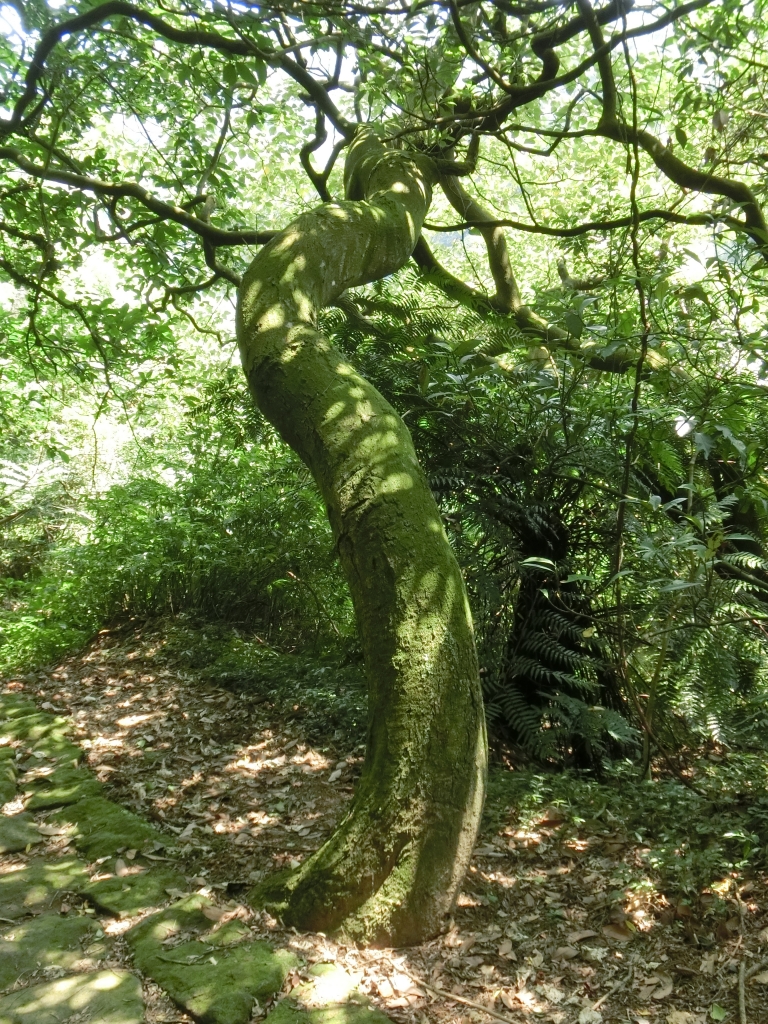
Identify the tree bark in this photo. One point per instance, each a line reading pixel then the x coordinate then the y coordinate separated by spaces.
pixel 391 872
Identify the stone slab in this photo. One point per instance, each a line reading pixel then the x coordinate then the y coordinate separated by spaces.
pixel 53 748
pixel 13 705
pixel 17 832
pixel 36 886
pixel 214 973
pixel 103 828
pixel 102 997
pixel 48 941
pixel 35 727
pixel 127 895
pixel 7 781
pixel 65 785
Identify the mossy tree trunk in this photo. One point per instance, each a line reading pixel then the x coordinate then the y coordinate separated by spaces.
pixel 391 871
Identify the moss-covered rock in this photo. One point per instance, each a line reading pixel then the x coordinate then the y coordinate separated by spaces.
pixel 126 895
pixel 47 941
pixel 13 705
pixel 65 785
pixel 103 828
pixel 7 781
pixel 17 832
pixel 35 726
pixel 106 997
pixel 37 886
pixel 54 748
pixel 215 973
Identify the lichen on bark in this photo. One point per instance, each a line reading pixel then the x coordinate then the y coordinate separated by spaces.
pixel 391 871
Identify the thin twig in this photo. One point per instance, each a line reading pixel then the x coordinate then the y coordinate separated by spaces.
pixel 614 988
pixel 755 970
pixel 742 994
pixel 457 998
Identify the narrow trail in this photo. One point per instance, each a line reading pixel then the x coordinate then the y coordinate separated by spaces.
pixel 141 804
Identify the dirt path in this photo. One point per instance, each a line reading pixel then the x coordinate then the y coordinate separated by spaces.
pixel 222 793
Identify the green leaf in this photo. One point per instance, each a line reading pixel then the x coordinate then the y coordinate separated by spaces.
pixel 717 1012
pixel 574 324
pixel 681 136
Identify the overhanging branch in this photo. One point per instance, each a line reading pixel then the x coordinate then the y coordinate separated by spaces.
pixel 667 216
pixel 132 190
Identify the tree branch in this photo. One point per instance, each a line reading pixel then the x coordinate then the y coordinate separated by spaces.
pixel 241 47
pixel 507 294
pixel 132 190
pixel 604 65
pixel 492 120
pixel 685 176
pixel 598 225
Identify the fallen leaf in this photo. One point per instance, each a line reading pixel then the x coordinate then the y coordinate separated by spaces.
pixel 574 937
pixel 619 931
pixel 566 952
pixel 401 983
pixel 551 992
pixel 385 988
pixel 53 830
pixel 505 948
pixel 508 998
pixel 717 1012
pixel 761 979
pixel 552 816
pixel 664 987
pixel 763 935
pixel 708 963
pixel 682 1017
pixel 588 1016
pixel 526 997
pixel 121 868
pixel 686 972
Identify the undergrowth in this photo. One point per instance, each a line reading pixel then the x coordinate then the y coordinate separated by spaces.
pixel 686 840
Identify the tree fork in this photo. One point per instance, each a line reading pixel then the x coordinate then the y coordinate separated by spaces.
pixel 391 872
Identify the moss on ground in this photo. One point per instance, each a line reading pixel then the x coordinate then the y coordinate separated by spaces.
pixel 47 941
pixel 18 832
pixel 104 828
pixel 217 974
pixel 38 885
pixel 128 894
pixel 65 785
pixel 106 997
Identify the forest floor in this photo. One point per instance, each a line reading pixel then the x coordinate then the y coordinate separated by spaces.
pixel 586 901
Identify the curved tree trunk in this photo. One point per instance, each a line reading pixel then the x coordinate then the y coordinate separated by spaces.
pixel 391 871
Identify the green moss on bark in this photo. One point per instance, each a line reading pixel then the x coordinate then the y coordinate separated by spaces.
pixel 391 871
